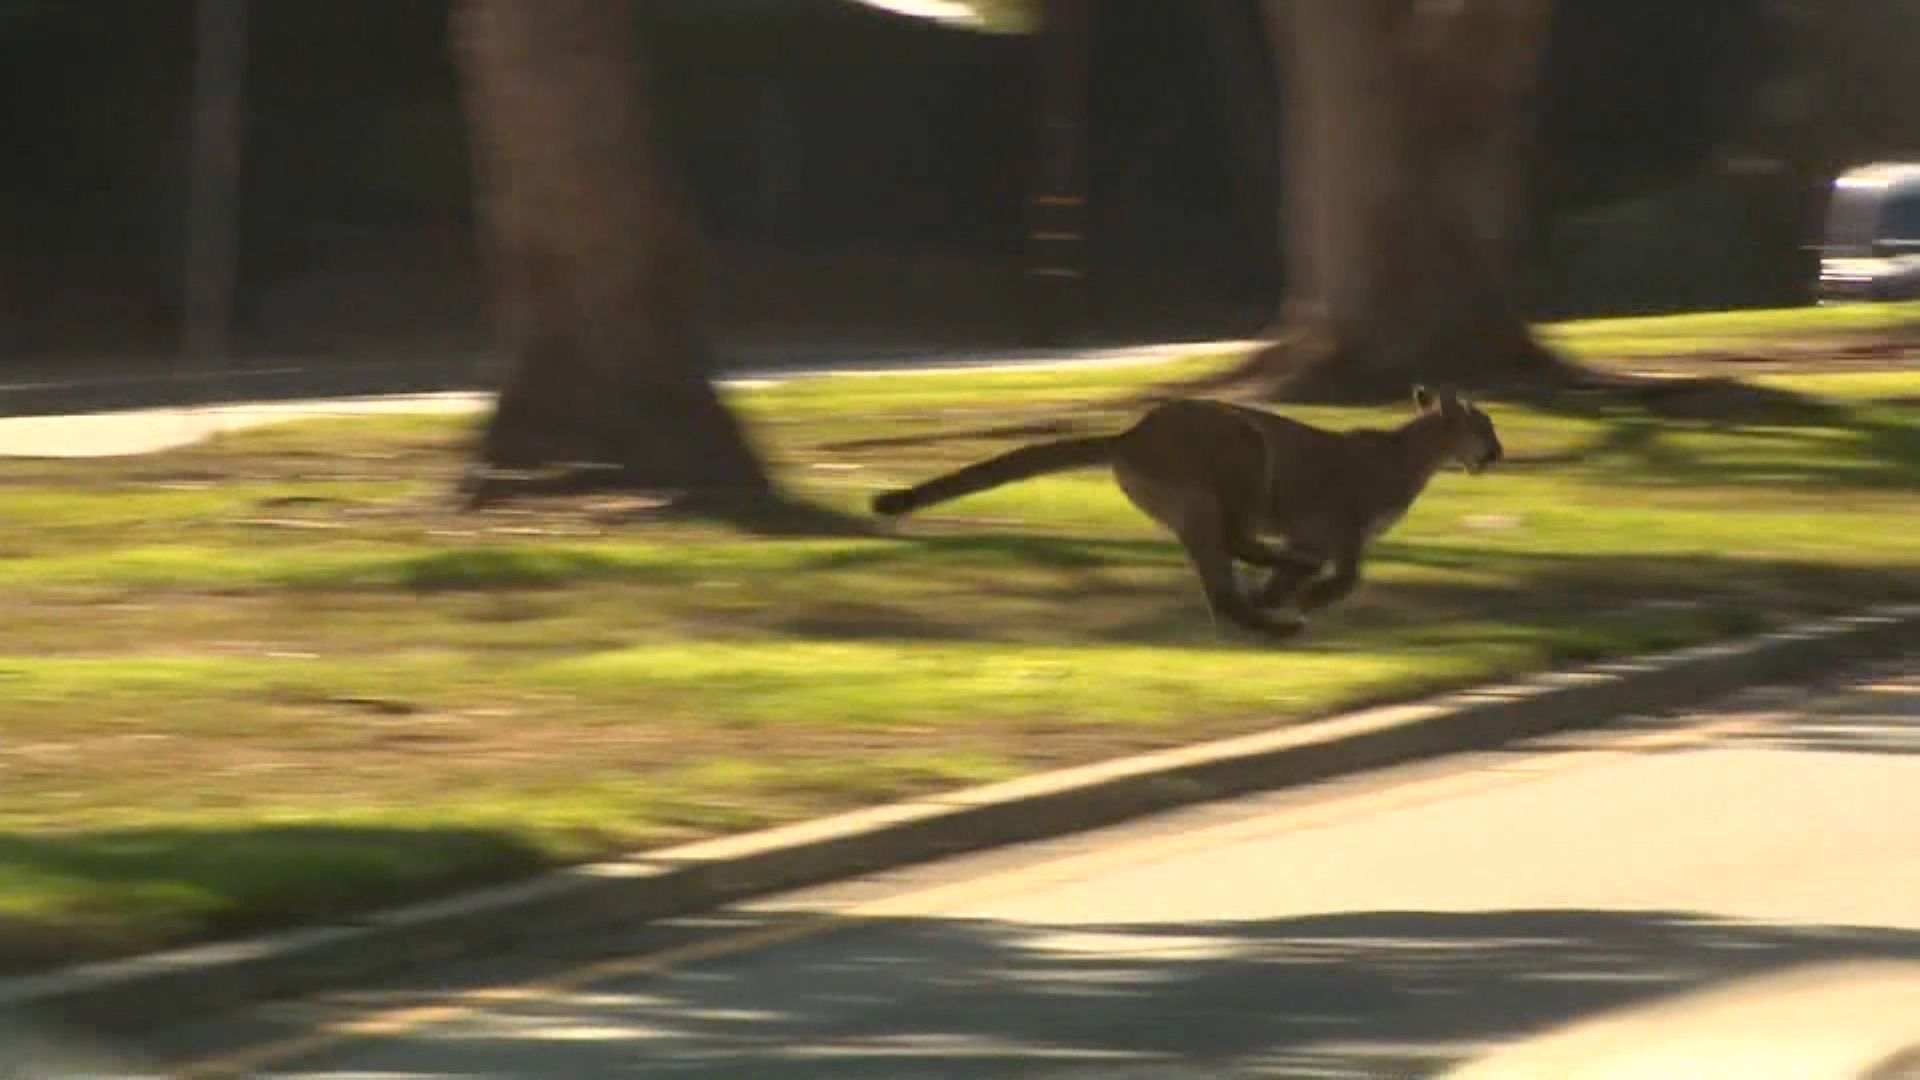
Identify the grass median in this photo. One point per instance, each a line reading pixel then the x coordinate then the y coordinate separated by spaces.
pixel 277 676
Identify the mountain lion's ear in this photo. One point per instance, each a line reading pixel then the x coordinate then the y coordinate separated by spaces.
pixel 1423 399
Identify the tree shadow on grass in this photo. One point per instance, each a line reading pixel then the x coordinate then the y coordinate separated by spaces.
pixel 1857 451
pixel 1714 399
pixel 1574 607
pixel 999 548
pixel 114 890
pixel 785 518
pixel 758 513
pixel 851 621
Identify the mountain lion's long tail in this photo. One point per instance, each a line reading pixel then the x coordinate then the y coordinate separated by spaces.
pixel 1022 464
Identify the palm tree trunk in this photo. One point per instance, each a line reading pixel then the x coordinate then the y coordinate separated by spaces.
pixel 595 259
pixel 1407 131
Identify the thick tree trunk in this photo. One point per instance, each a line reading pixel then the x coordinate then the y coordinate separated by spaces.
pixel 596 262
pixel 1407 125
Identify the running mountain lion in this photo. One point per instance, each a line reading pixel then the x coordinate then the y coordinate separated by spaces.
pixel 1220 476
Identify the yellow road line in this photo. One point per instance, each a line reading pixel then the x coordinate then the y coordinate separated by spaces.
pixel 406 1020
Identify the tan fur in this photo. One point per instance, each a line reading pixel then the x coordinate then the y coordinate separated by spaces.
pixel 1221 476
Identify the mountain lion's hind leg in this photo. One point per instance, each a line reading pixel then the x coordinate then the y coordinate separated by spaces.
pixel 1208 551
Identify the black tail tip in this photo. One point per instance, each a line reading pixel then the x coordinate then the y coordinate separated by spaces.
pixel 893 503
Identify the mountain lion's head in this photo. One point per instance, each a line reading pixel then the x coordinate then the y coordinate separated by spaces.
pixel 1475 444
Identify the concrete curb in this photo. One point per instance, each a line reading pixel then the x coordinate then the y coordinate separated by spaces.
pixel 179 985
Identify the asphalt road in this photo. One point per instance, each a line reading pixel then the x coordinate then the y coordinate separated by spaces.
pixel 1733 893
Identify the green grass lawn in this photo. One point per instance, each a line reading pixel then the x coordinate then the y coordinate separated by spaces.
pixel 277 676
pixel 1770 329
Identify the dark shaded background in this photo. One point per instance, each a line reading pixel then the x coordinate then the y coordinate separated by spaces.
pixel 862 176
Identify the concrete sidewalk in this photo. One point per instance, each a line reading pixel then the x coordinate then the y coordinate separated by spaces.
pixel 146 431
pixel 52 390
pixel 85 434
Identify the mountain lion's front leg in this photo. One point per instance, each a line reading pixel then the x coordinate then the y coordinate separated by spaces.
pixel 1346 575
pixel 1284 583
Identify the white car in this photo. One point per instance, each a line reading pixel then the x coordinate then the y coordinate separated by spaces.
pixel 1871 247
